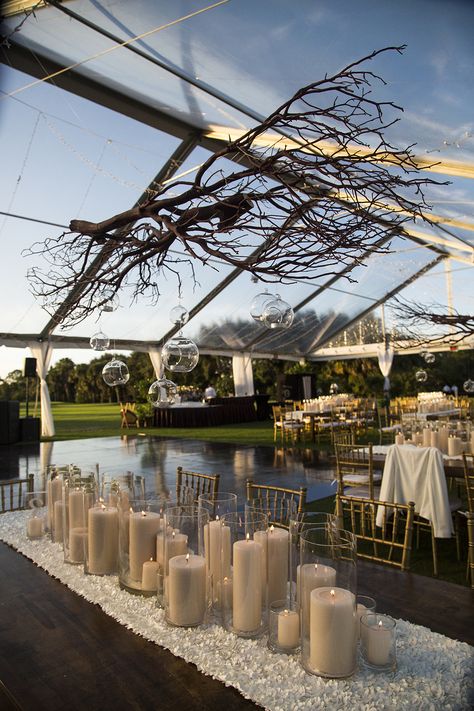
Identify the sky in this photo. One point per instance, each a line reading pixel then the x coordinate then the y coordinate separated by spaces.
pixel 64 157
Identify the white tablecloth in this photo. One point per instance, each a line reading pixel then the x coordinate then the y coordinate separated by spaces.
pixel 417 474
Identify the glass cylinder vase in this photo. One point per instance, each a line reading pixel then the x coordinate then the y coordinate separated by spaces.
pixel 297 525
pixel 186 588
pixel 140 525
pixel 326 594
pixel 79 494
pixel 244 573
pixel 225 503
pixel 37 521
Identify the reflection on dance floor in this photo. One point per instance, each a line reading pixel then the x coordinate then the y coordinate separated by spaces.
pixel 156 458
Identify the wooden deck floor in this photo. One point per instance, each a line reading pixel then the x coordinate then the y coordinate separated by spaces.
pixel 58 651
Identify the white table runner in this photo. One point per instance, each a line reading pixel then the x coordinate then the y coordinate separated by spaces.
pixel 434 672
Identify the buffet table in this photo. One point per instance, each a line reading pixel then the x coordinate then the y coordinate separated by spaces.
pixel 219 411
pixel 65 650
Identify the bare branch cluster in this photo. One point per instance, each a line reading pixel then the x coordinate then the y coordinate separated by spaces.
pixel 431 323
pixel 289 211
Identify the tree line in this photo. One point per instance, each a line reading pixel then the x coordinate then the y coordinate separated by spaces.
pixel 83 382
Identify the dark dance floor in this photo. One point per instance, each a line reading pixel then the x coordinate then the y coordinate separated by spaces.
pixel 156 458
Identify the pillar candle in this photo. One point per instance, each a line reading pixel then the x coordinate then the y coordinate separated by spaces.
pixel 77 540
pixel 311 576
pixel 77 517
pixel 378 644
pixel 103 540
pixel 35 527
pixel 150 572
pixel 288 628
pixel 332 638
pixel 434 442
pixel 247 586
pixel 277 554
pixel 175 543
pixel 426 437
pixel 399 438
pixel 454 446
pixel 54 492
pixel 186 590
pixel 261 538
pixel 443 438
pixel 143 528
pixel 59 509
pixel 217 547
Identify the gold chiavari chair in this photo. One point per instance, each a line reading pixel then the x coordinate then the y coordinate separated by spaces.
pixel 198 483
pixel 355 469
pixel 13 493
pixel 389 543
pixel 277 502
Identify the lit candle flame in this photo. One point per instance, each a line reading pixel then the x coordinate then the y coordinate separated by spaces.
pixel 217 518
pixel 103 507
pixel 271 528
pixel 380 624
pixel 315 567
pixel 187 557
pixel 248 536
pixel 173 534
pixel 333 593
pixel 143 513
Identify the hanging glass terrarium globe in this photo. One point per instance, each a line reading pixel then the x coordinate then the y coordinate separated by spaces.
pixel 421 376
pixel 180 354
pixel 99 341
pixel 469 386
pixel 179 315
pixel 257 306
pixel 277 313
pixel 429 357
pixel 107 300
pixel 115 372
pixel 162 393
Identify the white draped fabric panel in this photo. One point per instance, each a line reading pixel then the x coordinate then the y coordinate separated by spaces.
pixel 243 374
pixel 385 358
pixel 43 352
pixel 155 357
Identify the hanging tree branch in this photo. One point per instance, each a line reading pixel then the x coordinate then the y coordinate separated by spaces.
pixel 427 324
pixel 309 210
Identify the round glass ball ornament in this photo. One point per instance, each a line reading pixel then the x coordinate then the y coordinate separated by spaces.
pixel 429 357
pixel 277 314
pixel 257 307
pixel 179 315
pixel 99 341
pixel 180 354
pixel 115 372
pixel 469 386
pixel 162 393
pixel 421 376
pixel 110 305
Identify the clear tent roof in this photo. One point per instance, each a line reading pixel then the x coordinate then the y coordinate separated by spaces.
pixel 88 142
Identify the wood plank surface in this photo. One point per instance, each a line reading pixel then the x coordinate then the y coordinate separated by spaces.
pixel 58 651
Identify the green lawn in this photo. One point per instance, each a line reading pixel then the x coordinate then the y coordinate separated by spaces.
pixel 78 421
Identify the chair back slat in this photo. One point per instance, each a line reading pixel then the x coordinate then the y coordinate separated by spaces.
pixel 196 482
pixel 13 493
pixel 277 502
pixel 388 543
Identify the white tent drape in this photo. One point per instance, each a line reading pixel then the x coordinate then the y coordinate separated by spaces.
pixel 385 358
pixel 155 357
pixel 43 352
pixel 243 374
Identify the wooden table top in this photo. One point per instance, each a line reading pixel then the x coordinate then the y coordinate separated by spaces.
pixel 58 651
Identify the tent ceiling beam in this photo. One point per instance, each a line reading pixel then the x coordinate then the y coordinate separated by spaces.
pixel 388 295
